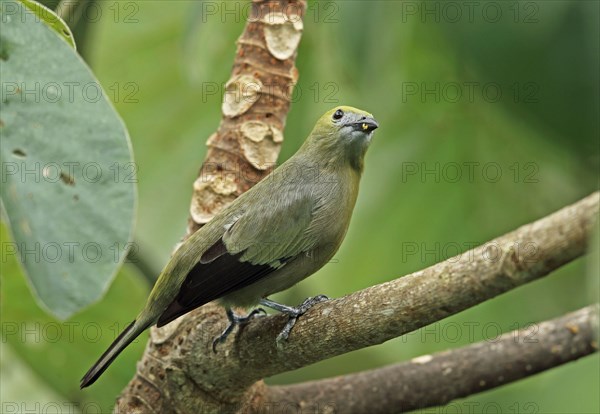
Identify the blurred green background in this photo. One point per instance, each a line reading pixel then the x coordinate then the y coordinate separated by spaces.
pixel 489 120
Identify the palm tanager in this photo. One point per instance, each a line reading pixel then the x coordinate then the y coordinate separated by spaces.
pixel 274 235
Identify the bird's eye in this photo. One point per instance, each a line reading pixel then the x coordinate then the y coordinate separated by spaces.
pixel 338 114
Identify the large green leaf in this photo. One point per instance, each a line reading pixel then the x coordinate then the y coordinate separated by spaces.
pixel 51 19
pixel 67 173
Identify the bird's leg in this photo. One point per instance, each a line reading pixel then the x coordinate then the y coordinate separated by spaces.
pixel 233 321
pixel 293 313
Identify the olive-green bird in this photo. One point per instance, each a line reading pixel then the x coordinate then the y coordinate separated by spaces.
pixel 274 235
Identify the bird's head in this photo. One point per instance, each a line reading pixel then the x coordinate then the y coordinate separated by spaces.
pixel 343 134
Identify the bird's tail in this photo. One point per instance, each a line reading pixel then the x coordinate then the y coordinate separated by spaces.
pixel 125 338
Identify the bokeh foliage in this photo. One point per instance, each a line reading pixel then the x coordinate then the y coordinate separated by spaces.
pixel 532 150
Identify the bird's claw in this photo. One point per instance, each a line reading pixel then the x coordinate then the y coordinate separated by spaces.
pixel 236 320
pixel 221 338
pixel 294 314
pixel 256 313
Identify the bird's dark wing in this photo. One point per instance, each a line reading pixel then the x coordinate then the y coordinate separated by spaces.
pixel 212 280
pixel 256 244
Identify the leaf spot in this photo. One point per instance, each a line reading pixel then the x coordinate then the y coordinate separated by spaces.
pixel 19 153
pixel 66 178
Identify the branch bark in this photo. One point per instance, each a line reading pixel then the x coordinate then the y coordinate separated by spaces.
pixel 382 312
pixel 437 379
pixel 179 361
pixel 257 99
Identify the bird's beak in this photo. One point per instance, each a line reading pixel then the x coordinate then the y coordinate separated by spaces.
pixel 367 124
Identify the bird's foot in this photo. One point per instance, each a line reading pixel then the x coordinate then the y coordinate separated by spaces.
pixel 293 313
pixel 233 321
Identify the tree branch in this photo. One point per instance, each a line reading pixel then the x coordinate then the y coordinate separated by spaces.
pixel 179 356
pixel 382 312
pixel 257 99
pixel 437 379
